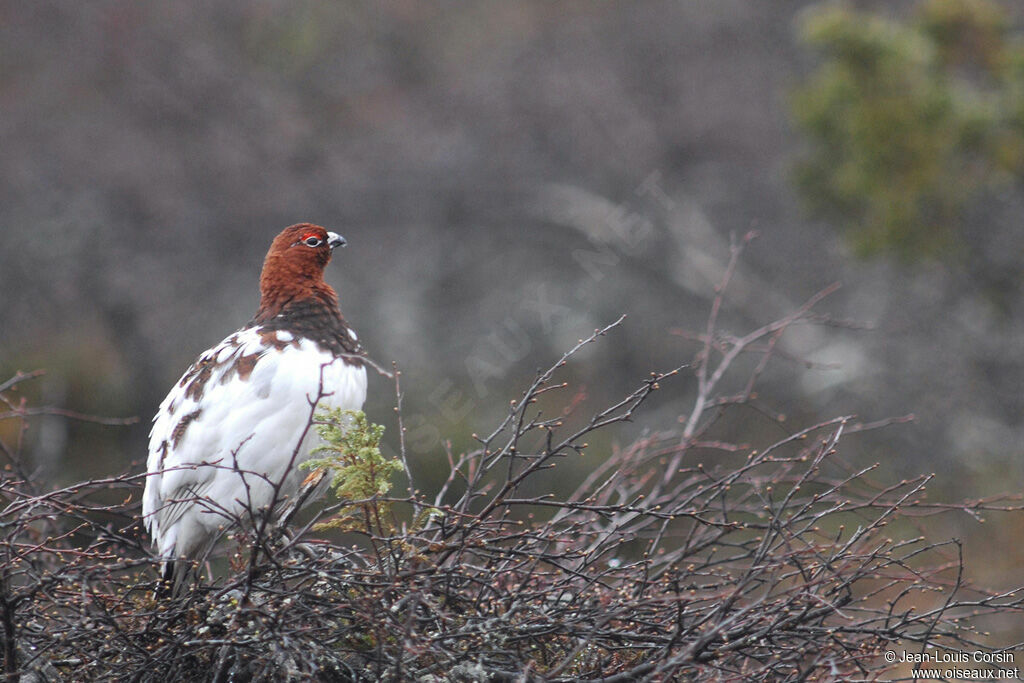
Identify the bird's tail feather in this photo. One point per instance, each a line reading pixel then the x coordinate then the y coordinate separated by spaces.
pixel 165 588
pixel 174 576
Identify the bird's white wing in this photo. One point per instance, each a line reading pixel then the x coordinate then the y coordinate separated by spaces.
pixel 230 427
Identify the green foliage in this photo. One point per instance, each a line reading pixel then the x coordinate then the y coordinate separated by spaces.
pixel 909 121
pixel 359 472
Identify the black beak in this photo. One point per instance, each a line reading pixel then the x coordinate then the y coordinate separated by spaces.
pixel 334 240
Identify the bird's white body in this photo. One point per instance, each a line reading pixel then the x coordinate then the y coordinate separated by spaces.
pixel 229 432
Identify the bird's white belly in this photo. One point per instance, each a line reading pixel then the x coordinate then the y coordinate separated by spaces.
pixel 248 431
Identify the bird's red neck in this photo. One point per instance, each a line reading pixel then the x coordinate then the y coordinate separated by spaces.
pixel 287 281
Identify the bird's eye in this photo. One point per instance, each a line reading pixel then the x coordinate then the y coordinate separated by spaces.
pixel 312 241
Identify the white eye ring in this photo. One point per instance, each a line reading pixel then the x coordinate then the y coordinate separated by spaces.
pixel 312 241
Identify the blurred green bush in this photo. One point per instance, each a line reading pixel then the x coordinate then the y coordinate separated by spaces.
pixel 907 122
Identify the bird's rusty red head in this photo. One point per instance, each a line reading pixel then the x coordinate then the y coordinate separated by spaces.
pixel 294 267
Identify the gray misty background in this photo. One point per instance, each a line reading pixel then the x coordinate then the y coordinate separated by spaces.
pixel 509 176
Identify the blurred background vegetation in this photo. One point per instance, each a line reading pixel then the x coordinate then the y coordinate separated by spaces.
pixel 910 122
pixel 511 176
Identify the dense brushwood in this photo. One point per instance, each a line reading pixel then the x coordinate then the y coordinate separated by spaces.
pixel 682 555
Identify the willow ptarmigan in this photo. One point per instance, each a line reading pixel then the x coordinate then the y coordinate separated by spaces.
pixel 227 435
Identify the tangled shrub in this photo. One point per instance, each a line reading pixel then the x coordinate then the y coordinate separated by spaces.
pixel 678 556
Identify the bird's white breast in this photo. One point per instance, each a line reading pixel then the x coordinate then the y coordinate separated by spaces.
pixel 230 430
